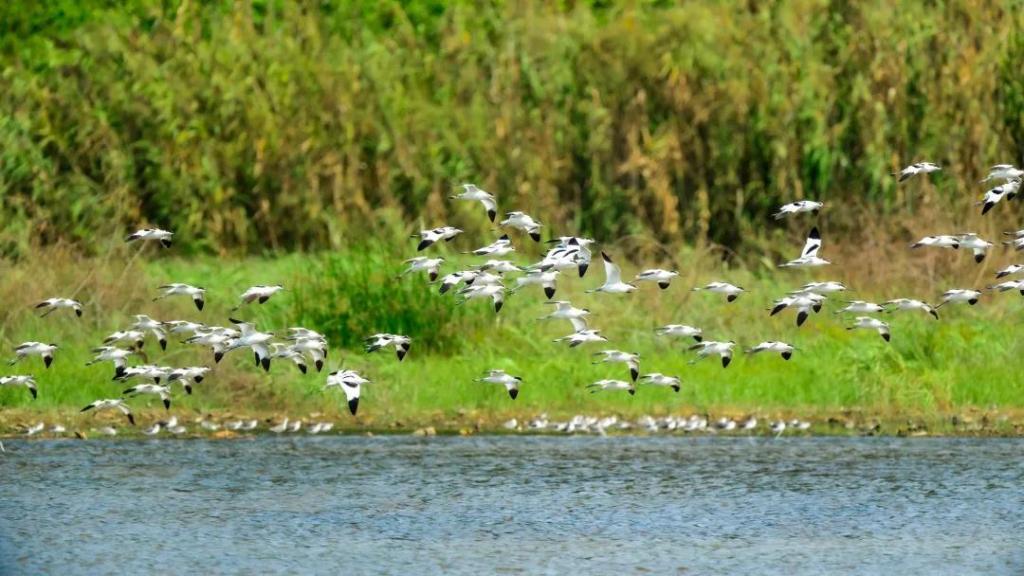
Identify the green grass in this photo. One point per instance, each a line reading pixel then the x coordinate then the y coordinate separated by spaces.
pixel 969 360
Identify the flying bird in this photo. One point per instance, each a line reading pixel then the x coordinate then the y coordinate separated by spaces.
pixel 145 324
pixel 631 360
pixel 474 194
pixel 524 222
pixel 821 288
pixel 971 241
pixel 424 264
pixel 681 331
pixel 21 380
pixel 710 347
pixel 662 277
pixel 781 348
pixel 538 277
pixel 941 241
pixel 959 295
pixel 510 382
pixel 1009 285
pixel 802 302
pixel 258 294
pixel 731 291
pixel 1009 270
pixel 253 339
pixel 400 342
pixel 351 383
pixel 582 337
pixel 496 292
pixel 188 376
pixel 860 307
pixel 287 352
pixel 151 234
pixel 798 207
pixel 809 255
pixel 1004 172
pixel 135 337
pixel 915 169
pixel 177 289
pixel 611 385
pixel 119 356
pixel 429 237
pixel 564 310
pixel 995 195
pixel 51 305
pixel 164 392
pixel 45 351
pixel 910 304
pixel 869 323
pixel 659 379
pixel 111 404
pixel 499 247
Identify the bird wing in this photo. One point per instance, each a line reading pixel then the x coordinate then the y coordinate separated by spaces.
pixel 578 324
pixel 611 271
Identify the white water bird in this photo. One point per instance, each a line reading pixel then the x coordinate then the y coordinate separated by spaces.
pixel 869 323
pixel 251 338
pixel 279 428
pixel 541 278
pixel 424 264
pixel 495 292
pixel 510 382
pixel 315 348
pixel 731 291
pixel 570 252
pixel 940 241
pixel 135 337
pixel 632 360
pixel 260 294
pixel 809 256
pixel 798 207
pixel 499 247
pixel 564 310
pixel 659 379
pixel 499 266
pixel 21 380
pixel 1004 172
pixel 524 222
pixel 119 356
pixel 681 331
pixel 400 342
pixel 1009 270
pixel 429 237
pixel 473 194
pixel 51 305
pixel 612 385
pixel 217 339
pixel 155 373
pixel 958 295
pixel 1017 243
pixel 822 287
pixel 582 337
pixel 152 234
pixel 111 404
pixel 183 327
pixel 1009 285
pixel 44 351
pixel 287 352
pixel 971 241
pixel 145 324
pixel 164 392
pixel 910 304
pixel 196 293
pixel 351 383
pixel 995 195
pixel 860 307
pixel 452 280
pixel 710 347
pixel 662 277
pixel 778 427
pixel 613 283
pixel 188 376
pixel 781 348
pixel 802 302
pixel 917 168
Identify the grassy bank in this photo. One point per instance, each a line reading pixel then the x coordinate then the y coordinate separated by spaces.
pixel 244 125
pixel 965 364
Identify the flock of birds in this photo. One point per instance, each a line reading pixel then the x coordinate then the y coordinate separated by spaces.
pixel 491 281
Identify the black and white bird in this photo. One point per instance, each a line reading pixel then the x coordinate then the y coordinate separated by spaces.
pixel 781 348
pixel 570 252
pixel 731 291
pixel 111 404
pixel 188 376
pixel 313 346
pixel 164 392
pixel 196 293
pixel 44 351
pixel 430 237
pixel 798 207
pixel 802 302
pixel 1017 243
pixel 496 292
pixel 150 371
pixel 910 304
pixel 524 222
pixel 499 247
pixel 217 339
pixel 279 351
pixel 821 288
pixel 662 277
pixel 119 356
pixel 498 266
pixel 1010 270
pixel 21 380
pixel 145 324
pixel 809 256
pixel 135 337
pixel 632 360
pixel 582 337
pixel 917 168
pixel 183 327
pixel 351 383
pixel 500 377
pixel 860 307
pixel 473 194
pixel 260 294
pixel 452 280
pixel 424 264
pixel 971 241
pixel 564 310
pixel 51 305
pixel 253 339
pixel 613 283
pixel 612 385
pixel 711 347
pixel 1009 285
pixel 1004 172
pixel 681 331
pixel 940 241
pixel 869 323
pixel 539 278
pixel 152 234
pixel 659 379
pixel 382 340
pixel 958 295
pixel 995 195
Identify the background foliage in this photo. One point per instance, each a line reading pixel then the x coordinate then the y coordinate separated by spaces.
pixel 265 124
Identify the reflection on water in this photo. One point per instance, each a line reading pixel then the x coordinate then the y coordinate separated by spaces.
pixel 618 505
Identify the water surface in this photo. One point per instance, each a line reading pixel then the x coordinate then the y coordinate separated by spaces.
pixel 513 505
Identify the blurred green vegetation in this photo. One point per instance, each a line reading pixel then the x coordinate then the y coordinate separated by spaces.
pixel 256 125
